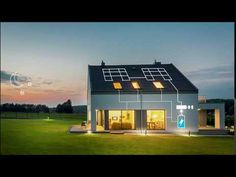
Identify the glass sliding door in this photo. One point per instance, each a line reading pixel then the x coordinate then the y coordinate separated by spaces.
pixel 115 120
pixel 127 120
pixel 155 119
pixel 121 120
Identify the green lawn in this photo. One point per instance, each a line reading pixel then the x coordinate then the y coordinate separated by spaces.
pixel 38 136
pixel 22 115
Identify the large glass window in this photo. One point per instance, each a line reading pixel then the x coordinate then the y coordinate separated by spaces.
pixel 155 119
pixel 127 120
pixel 121 120
pixel 114 120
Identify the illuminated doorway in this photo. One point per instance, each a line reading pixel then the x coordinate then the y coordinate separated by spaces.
pixel 100 120
pixel 121 120
pixel 155 119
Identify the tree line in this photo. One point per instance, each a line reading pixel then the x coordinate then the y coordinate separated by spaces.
pixel 65 107
pixel 10 107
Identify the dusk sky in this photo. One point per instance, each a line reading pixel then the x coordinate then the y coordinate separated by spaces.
pixel 54 57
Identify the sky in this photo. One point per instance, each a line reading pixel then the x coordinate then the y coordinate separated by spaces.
pixel 50 60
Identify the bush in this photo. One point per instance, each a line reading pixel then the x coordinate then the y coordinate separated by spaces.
pixel 211 120
pixel 229 120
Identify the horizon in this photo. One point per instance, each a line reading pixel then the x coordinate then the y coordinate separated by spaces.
pixel 51 59
pixel 86 104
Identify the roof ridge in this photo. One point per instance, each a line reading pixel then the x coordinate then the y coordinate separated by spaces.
pixel 132 64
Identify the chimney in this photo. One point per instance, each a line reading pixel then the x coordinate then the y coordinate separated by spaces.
pixel 156 63
pixel 103 63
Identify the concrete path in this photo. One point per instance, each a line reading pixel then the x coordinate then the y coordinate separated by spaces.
pixel 78 129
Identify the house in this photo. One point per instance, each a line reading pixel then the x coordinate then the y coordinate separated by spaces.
pixel 143 97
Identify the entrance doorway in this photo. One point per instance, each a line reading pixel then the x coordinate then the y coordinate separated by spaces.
pixel 100 120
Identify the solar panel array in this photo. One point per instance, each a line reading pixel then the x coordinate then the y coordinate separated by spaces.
pixel 110 73
pixel 152 73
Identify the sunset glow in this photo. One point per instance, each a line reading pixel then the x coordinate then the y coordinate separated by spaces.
pixel 52 58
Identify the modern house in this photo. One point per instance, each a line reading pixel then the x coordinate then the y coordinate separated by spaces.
pixel 150 97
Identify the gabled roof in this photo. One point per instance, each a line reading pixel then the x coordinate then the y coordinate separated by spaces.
pixel 169 76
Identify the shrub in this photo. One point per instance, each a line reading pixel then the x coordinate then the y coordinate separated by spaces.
pixel 229 120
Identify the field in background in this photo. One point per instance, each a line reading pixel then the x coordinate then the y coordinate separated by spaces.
pixel 43 136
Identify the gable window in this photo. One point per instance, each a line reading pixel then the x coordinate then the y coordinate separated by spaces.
pixel 117 85
pixel 158 85
pixel 136 85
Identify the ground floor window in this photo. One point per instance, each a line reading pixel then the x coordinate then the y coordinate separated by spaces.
pixel 121 120
pixel 155 119
pixel 130 119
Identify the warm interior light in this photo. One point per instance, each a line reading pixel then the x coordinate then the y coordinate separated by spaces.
pixel 117 85
pixel 158 85
pixel 136 85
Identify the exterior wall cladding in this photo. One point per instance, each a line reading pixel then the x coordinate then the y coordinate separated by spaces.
pixel 149 101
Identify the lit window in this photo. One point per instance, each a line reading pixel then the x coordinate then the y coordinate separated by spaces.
pixel 158 84
pixel 136 85
pixel 117 85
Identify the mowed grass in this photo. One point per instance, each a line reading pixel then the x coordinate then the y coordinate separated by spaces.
pixel 23 115
pixel 39 136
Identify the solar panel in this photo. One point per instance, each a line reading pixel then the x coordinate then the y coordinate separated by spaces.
pixel 152 73
pixel 110 73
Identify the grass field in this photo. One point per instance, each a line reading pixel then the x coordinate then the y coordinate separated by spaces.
pixel 42 136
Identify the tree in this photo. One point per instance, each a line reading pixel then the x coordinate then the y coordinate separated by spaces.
pixel 66 107
pixel 59 108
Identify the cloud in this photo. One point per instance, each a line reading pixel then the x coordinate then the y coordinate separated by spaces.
pixel 220 70
pixel 5 76
pixel 47 82
pixel 39 81
pixel 15 78
pixel 208 77
pixel 20 79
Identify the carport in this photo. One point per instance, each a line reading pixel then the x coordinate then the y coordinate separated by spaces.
pixel 219 115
